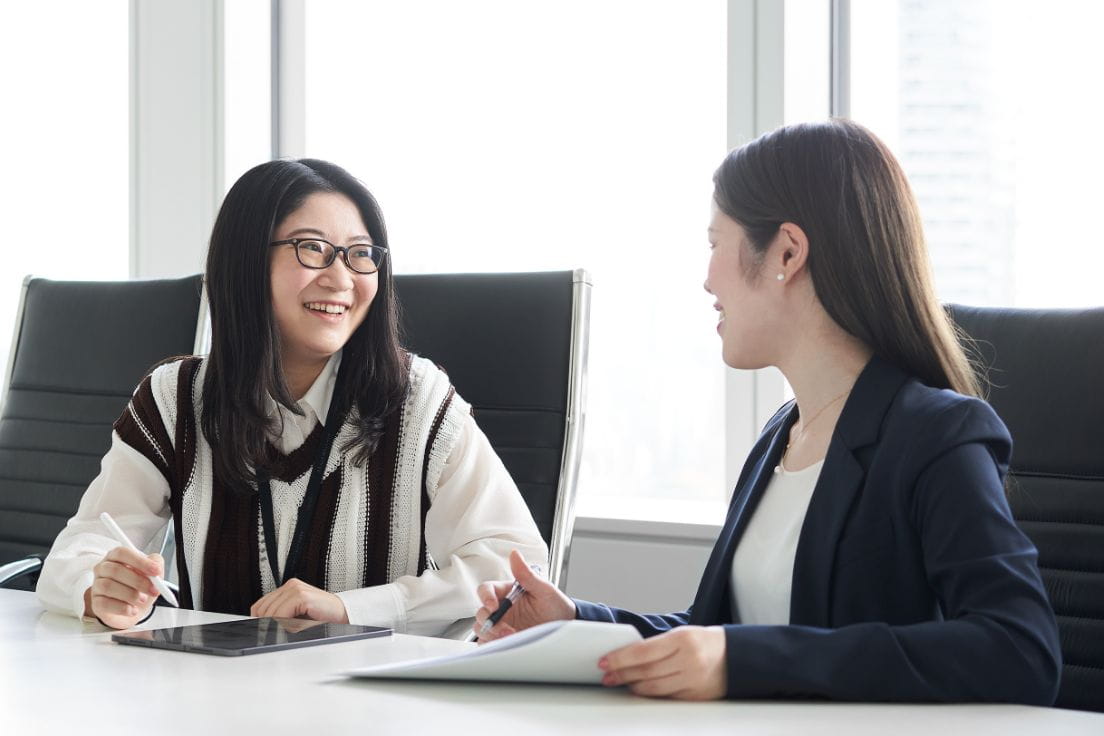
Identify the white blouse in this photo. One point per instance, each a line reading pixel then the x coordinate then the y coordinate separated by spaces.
pixel 762 568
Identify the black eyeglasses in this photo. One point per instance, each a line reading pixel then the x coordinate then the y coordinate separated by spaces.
pixel 317 253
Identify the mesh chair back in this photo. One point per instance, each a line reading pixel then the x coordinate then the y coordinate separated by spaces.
pixel 80 349
pixel 1045 369
pixel 508 342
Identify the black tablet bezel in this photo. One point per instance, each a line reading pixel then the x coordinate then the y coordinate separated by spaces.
pixel 287 634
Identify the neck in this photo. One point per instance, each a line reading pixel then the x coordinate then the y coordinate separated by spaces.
pixel 301 375
pixel 822 365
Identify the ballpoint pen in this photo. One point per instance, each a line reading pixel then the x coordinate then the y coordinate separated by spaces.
pixel 121 538
pixel 515 592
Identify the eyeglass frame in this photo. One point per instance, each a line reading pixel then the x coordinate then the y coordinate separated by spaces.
pixel 343 250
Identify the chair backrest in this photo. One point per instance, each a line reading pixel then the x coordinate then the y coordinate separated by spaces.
pixel 78 351
pixel 514 346
pixel 1046 369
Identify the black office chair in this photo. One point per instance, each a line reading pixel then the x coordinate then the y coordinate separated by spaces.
pixel 79 350
pixel 515 347
pixel 1046 368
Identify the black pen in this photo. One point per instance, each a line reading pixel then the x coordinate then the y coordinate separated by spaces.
pixel 503 607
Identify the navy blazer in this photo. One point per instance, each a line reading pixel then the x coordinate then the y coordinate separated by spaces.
pixel 911 581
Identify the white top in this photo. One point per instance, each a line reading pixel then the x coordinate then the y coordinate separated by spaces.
pixel 476 517
pixel 762 568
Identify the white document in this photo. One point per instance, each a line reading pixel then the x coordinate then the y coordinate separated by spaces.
pixel 558 651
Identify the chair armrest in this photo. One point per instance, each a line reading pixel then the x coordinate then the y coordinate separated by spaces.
pixel 12 570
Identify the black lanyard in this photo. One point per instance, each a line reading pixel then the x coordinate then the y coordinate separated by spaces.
pixel 335 417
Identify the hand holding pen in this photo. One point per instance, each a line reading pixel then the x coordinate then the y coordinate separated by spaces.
pixel 126 582
pixel 512 606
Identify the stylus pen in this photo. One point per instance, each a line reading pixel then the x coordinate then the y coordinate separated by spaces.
pixel 121 538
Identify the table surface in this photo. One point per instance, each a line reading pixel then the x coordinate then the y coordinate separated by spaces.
pixel 61 675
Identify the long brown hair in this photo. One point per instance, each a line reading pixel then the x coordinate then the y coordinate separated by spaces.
pixel 244 367
pixel 867 257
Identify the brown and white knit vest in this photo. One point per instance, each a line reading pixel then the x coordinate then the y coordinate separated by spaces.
pixel 369 523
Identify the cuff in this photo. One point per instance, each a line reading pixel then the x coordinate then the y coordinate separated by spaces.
pixel 84 582
pixel 381 605
pixel 587 611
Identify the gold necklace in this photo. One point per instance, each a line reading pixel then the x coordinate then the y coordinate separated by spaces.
pixel 804 427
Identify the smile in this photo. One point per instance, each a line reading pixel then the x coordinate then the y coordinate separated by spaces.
pixel 327 308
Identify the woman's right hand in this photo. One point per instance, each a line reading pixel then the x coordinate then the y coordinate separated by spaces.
pixel 122 592
pixel 541 603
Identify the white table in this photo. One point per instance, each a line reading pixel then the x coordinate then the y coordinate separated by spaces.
pixel 61 676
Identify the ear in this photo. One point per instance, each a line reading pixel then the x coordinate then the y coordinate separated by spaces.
pixel 791 250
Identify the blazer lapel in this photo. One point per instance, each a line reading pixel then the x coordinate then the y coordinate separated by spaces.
pixel 840 484
pixel 711 604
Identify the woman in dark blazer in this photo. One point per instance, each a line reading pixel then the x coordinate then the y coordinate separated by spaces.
pixel 869 552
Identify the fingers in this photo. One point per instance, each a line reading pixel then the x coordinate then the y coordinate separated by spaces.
pixel 158 564
pixel 136 560
pixel 124 575
pixel 688 663
pixel 267 603
pixel 640 654
pixel 499 630
pixel 121 590
pixel 113 589
pixel 490 595
pixel 644 672
pixel 296 598
pixel 522 572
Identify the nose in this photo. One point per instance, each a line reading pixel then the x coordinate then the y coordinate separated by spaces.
pixel 705 285
pixel 337 276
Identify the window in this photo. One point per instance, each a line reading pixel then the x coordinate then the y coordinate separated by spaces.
pixel 66 173
pixel 504 136
pixel 992 108
pixel 247 101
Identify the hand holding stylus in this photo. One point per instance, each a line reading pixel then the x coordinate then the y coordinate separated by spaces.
pixel 126 582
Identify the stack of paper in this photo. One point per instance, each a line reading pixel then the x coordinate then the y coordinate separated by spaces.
pixel 558 651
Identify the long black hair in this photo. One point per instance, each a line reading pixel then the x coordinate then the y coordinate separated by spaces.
pixel 244 368
pixel 867 256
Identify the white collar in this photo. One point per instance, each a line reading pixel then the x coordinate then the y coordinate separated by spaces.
pixel 318 397
pixel 320 393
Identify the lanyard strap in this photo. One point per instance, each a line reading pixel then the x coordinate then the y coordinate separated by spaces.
pixel 335 417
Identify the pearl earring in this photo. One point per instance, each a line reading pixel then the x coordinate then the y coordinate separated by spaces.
pixel 781 277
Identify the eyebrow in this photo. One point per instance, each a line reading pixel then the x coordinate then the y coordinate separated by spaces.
pixel 320 234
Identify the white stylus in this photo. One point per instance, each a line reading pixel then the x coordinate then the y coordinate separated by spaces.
pixel 161 585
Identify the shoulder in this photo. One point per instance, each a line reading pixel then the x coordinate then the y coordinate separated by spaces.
pixel 170 383
pixel 429 384
pixel 169 372
pixel 928 422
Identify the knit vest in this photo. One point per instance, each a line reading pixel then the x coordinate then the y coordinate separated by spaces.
pixel 369 523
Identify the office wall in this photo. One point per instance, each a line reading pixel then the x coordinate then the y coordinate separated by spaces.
pixel 651 567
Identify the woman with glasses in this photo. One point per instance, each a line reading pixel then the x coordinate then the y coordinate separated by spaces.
pixel 869 552
pixel 311 467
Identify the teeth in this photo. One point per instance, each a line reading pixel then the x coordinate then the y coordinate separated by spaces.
pixel 328 308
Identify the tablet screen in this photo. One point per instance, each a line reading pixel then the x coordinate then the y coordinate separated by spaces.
pixel 249 635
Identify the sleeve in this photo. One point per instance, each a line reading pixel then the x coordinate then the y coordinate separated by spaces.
pixel 993 639
pixel 648 624
pixel 135 493
pixel 476 518
pixel 132 486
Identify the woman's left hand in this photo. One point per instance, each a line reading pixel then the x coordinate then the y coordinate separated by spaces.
pixel 687 663
pixel 296 599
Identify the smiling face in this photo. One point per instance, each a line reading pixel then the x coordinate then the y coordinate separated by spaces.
pixel 745 300
pixel 317 310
